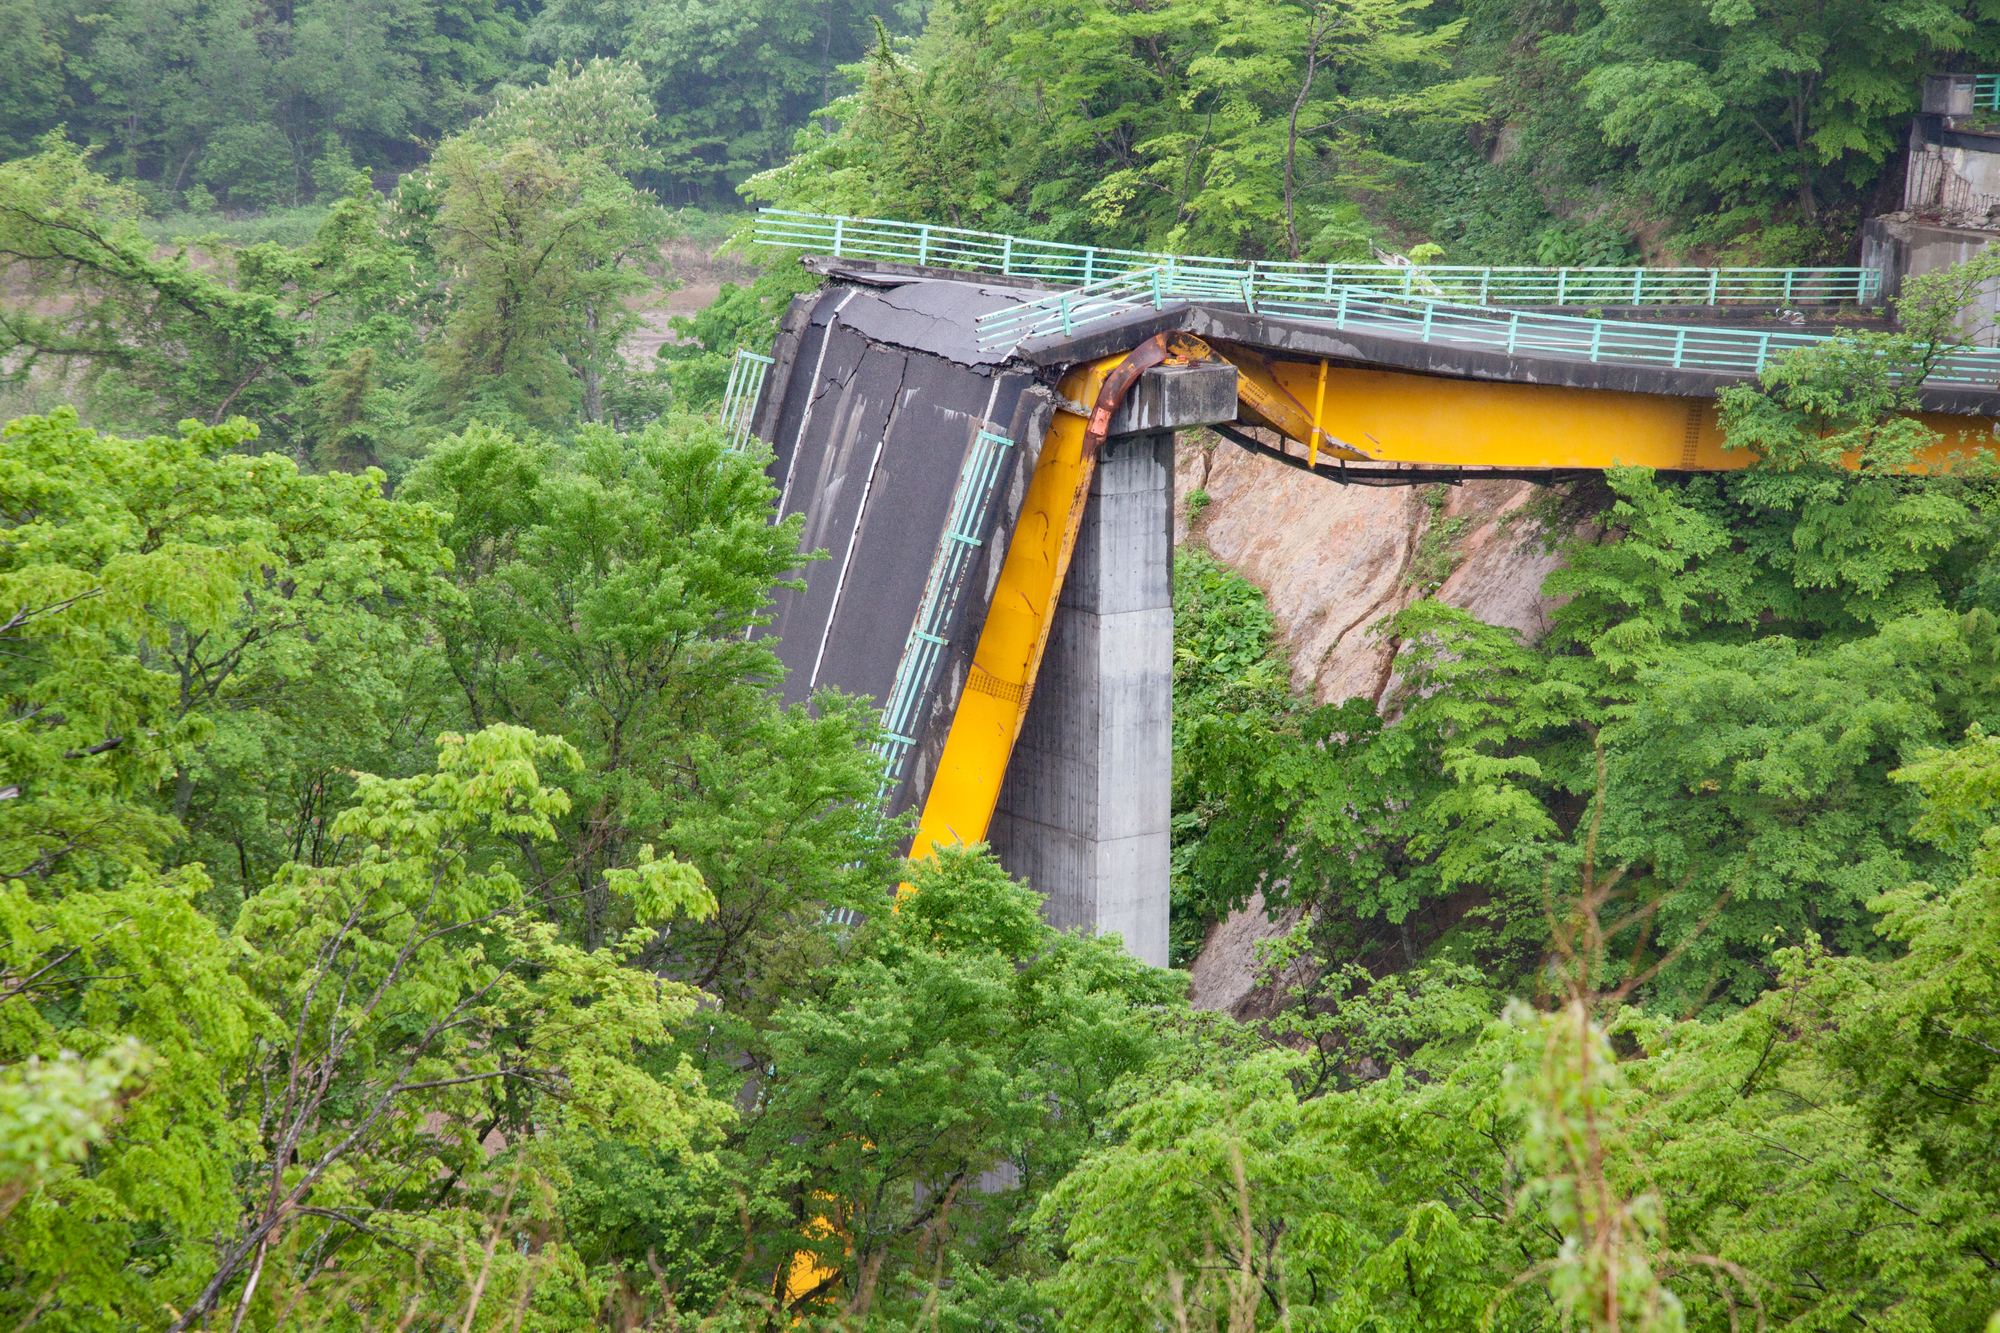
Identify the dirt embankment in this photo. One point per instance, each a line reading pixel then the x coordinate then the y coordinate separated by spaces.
pixel 700 271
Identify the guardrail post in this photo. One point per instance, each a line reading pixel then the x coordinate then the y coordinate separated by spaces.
pixel 1408 270
pixel 1089 265
pixel 1007 258
pixel 1513 324
pixel 1714 282
pixel 1430 308
pixel 1065 312
pixel 1596 334
pixel 923 245
pixel 1485 284
pixel 1763 349
pixel 1788 287
pixel 839 224
pixel 1680 341
pixel 1638 278
pixel 1562 286
pixel 1342 323
pixel 1328 291
pixel 1156 289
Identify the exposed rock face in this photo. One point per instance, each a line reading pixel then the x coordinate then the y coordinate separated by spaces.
pixel 1225 975
pixel 1333 561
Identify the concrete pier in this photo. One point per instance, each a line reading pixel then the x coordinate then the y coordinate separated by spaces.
pixel 1084 811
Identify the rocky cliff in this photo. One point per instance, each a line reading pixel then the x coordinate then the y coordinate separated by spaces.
pixel 1333 561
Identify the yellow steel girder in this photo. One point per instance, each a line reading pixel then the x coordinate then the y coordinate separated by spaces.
pixel 966 787
pixel 1358 414
pixel 1395 416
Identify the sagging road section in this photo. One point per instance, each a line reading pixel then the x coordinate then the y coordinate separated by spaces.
pixel 998 530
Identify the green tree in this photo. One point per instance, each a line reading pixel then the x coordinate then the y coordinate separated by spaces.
pixel 31 76
pixel 1173 126
pixel 595 110
pixel 1230 1203
pixel 738 317
pixel 732 80
pixel 609 594
pixel 946 1066
pixel 171 340
pixel 117 987
pixel 261 701
pixel 932 140
pixel 1841 1110
pixel 1375 822
pixel 546 244
pixel 195 1114
pixel 418 1008
pixel 1813 1159
pixel 266 106
pixel 149 341
pixel 1752 103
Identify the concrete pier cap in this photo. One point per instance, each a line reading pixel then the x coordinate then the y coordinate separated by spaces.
pixel 1175 397
pixel 1085 812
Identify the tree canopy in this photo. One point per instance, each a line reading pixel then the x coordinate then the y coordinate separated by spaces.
pixel 419 910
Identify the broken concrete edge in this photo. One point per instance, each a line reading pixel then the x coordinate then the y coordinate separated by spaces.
pixel 882 273
pixel 1177 398
pixel 1106 337
pixel 936 318
pixel 771 396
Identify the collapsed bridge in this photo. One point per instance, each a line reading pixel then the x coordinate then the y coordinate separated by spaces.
pixel 979 432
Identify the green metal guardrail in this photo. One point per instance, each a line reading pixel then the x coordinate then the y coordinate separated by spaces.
pixel 1429 320
pixel 978 482
pixel 739 396
pixel 933 246
pixel 1986 91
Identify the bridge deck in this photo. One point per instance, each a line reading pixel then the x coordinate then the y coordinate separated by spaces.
pixel 933 466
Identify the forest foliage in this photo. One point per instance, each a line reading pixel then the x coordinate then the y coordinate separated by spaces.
pixel 417 910
pixel 1506 131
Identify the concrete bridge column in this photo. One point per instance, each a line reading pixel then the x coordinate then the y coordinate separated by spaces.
pixel 1084 809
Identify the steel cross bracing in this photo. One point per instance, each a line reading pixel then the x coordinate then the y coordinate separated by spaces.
pixel 930 246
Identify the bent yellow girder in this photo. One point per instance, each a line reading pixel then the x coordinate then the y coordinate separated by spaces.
pixel 1356 414
pixel 994 703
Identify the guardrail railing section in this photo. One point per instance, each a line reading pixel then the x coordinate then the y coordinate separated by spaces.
pixel 739 396
pixel 1428 319
pixel 1063 264
pixel 1065 312
pixel 971 502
